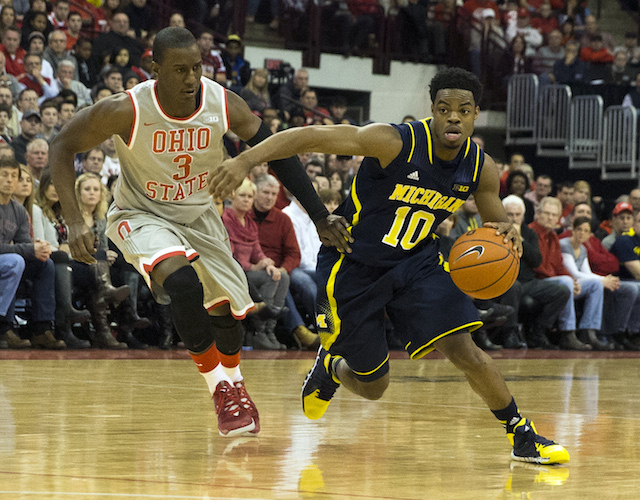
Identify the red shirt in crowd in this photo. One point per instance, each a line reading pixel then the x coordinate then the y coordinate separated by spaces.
pixel 536 4
pixel 544 25
pixel 601 261
pixel 602 56
pixel 551 253
pixel 33 84
pixel 15 64
pixel 245 244
pixel 278 238
pixel 472 5
pixel 360 7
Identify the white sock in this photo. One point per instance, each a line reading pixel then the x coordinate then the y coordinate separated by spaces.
pixel 233 373
pixel 215 376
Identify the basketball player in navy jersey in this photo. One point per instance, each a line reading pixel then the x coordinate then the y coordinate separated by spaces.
pixel 413 176
pixel 168 133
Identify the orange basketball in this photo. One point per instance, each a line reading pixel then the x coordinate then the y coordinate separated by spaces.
pixel 482 265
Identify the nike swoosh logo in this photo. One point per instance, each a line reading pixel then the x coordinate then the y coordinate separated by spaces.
pixel 148 124
pixel 479 249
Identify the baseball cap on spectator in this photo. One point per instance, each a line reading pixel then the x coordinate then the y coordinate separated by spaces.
pixel 147 53
pixel 30 113
pixel 488 13
pixel 36 34
pixel 622 207
pixel 234 38
pixel 523 12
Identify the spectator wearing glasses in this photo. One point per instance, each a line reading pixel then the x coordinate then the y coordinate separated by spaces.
pixel 56 51
pixel 34 80
pixel 35 45
pixel 65 80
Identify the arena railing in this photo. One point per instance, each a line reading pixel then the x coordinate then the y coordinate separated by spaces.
pixel 620 148
pixel 554 110
pixel 586 131
pixel 522 109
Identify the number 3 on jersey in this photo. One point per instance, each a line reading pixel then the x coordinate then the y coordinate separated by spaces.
pixel 409 238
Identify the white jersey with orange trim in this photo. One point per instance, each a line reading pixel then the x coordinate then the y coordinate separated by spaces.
pixel 165 164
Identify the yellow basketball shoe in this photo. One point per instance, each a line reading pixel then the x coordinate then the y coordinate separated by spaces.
pixel 319 386
pixel 529 446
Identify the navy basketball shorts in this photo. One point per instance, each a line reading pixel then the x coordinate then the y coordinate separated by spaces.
pixel 418 295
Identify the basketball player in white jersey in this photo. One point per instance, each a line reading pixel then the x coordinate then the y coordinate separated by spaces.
pixel 169 134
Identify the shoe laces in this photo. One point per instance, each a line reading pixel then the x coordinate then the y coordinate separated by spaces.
pixel 226 402
pixel 244 398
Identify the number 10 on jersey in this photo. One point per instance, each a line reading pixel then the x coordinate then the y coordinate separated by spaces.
pixel 408 239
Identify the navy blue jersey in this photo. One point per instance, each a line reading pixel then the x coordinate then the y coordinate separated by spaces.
pixel 394 210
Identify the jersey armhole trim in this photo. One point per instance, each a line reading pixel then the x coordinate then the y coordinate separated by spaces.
pixel 134 123
pixel 226 110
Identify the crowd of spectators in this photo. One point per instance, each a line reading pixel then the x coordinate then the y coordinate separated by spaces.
pixel 579 281
pixel 573 292
pixel 560 41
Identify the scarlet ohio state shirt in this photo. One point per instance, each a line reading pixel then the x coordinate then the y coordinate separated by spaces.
pixel 167 161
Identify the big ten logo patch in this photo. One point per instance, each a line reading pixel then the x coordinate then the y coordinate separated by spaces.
pixel 124 229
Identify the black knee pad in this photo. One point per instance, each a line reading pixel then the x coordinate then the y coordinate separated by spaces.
pixel 228 333
pixel 189 315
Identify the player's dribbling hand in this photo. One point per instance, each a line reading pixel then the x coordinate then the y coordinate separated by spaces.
pixel 81 242
pixel 510 233
pixel 226 177
pixel 333 232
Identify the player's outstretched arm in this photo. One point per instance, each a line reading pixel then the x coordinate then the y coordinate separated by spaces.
pixel 491 208
pixel 377 140
pixel 88 129
pixel 332 229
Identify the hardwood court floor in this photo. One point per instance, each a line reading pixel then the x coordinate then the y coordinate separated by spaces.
pixel 118 428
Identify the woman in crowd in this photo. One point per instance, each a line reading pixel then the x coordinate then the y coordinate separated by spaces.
pixel 42 229
pixel 35 20
pixel 574 257
pixel 256 92
pixel 337 184
pixel 95 280
pixel 518 184
pixel 270 282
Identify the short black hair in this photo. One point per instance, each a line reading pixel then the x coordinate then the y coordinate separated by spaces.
pixel 7 109
pixel 578 221
pixel 573 211
pixel 315 163
pixel 338 101
pixel 456 78
pixel 68 97
pixel 171 38
pixel 9 163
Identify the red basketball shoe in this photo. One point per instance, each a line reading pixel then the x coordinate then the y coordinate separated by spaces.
pixel 233 418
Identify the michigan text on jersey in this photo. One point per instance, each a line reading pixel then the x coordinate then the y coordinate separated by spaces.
pixel 429 197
